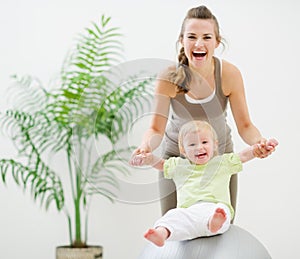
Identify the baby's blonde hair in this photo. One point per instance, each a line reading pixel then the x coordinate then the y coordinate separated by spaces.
pixel 194 126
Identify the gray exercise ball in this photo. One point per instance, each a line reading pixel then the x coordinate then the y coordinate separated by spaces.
pixel 236 243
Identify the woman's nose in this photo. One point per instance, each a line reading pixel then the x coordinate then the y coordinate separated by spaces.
pixel 199 42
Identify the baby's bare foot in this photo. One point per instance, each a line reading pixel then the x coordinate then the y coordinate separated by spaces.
pixel 217 220
pixel 157 236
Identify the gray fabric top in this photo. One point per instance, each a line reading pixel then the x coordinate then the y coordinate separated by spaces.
pixel 213 111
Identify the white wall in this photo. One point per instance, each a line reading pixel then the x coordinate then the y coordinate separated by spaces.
pixel 263 42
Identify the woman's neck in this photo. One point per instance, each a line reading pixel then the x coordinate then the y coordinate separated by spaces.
pixel 202 83
pixel 207 70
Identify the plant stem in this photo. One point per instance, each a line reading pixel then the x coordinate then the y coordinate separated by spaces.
pixel 71 171
pixel 78 241
pixel 79 168
pixel 77 221
pixel 73 192
pixel 69 226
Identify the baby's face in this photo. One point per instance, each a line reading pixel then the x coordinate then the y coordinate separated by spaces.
pixel 199 146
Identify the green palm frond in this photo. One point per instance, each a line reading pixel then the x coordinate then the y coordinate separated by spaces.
pixel 102 179
pixel 133 98
pixel 35 132
pixel 30 135
pixel 120 107
pixel 43 183
pixel 27 94
pixel 97 50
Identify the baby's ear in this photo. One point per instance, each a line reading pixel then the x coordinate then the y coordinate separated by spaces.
pixel 182 152
pixel 216 146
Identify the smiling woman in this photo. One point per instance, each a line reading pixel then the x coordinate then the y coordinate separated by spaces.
pixel 198 88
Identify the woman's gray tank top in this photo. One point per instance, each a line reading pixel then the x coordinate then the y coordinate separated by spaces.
pixel 212 111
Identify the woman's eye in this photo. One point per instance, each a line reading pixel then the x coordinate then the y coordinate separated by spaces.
pixel 191 37
pixel 207 37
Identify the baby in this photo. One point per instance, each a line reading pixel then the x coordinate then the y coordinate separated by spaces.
pixel 202 183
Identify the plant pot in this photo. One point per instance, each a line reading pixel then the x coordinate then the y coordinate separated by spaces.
pixel 90 252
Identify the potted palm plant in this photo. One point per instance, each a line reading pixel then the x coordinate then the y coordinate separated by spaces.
pixel 68 120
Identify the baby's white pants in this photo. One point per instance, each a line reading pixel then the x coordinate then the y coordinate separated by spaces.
pixel 192 222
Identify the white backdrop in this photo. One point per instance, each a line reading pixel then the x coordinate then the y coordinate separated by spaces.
pixel 263 41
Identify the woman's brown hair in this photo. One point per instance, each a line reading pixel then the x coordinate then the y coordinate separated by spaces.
pixel 182 76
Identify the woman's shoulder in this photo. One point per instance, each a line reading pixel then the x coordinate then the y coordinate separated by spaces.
pixel 231 77
pixel 164 73
pixel 163 84
pixel 228 68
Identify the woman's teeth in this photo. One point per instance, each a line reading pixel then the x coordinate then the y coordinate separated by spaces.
pixel 199 53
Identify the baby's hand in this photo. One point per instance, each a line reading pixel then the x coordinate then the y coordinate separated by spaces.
pixel 142 159
pixel 271 144
pixel 138 160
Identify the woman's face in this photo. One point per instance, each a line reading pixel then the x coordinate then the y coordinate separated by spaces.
pixel 199 41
